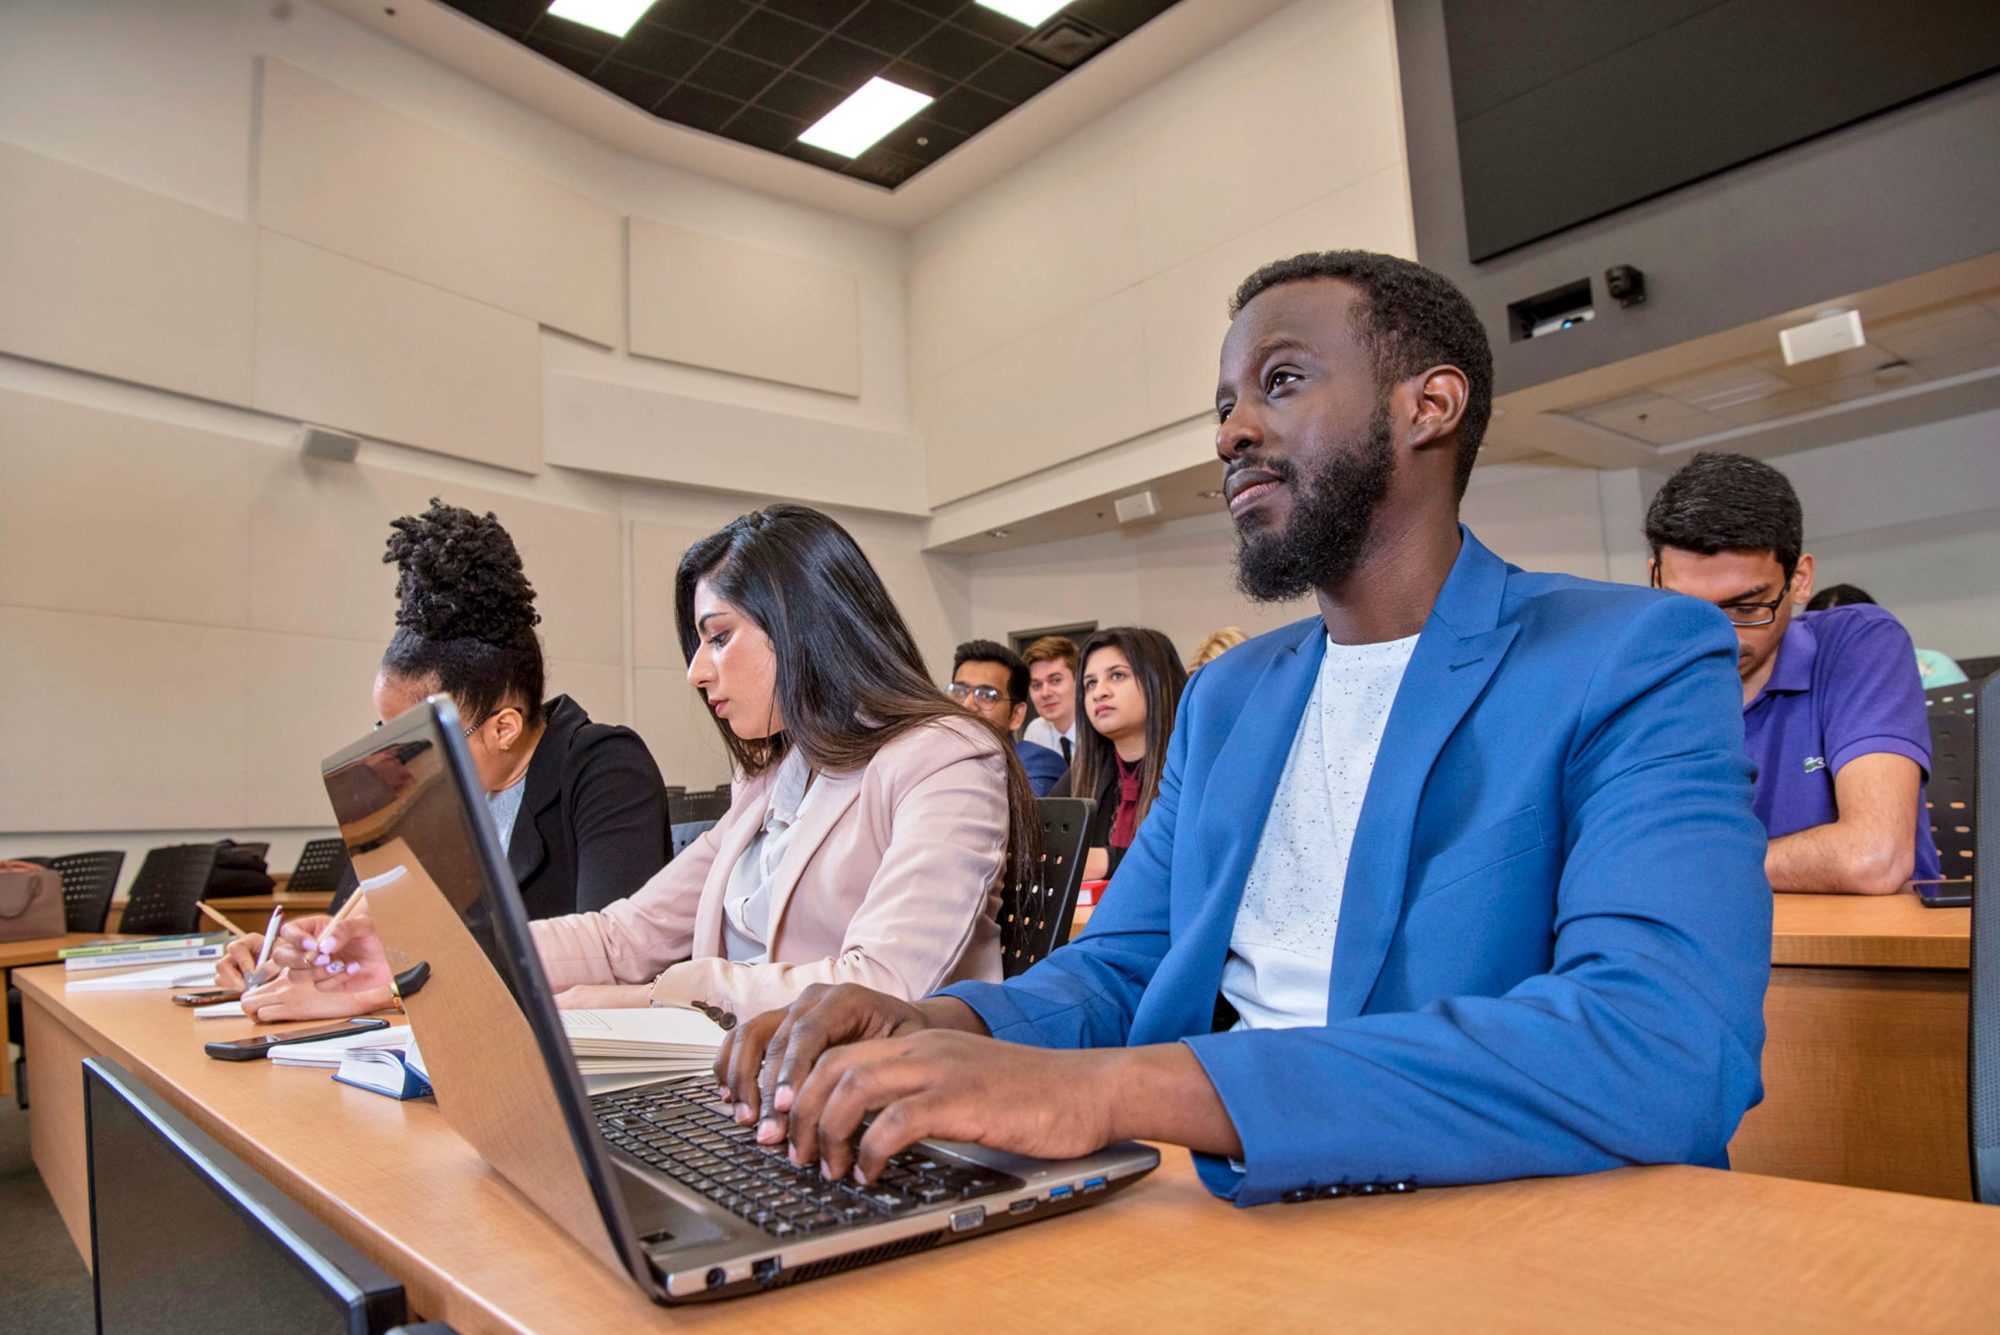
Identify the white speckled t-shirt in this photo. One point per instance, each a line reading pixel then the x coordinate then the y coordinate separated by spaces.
pixel 1281 951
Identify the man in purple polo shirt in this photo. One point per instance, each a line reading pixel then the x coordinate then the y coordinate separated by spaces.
pixel 1833 707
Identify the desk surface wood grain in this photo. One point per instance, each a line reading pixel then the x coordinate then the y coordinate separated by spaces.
pixel 1643 1249
pixel 1869 931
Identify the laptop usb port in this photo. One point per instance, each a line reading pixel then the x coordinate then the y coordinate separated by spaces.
pixel 1093 1184
pixel 1022 1206
pixel 1061 1193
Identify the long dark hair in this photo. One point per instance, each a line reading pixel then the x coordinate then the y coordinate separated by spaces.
pixel 850 678
pixel 465 612
pixel 1157 665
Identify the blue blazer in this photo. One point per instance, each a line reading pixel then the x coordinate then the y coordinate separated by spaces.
pixel 1044 766
pixel 1555 932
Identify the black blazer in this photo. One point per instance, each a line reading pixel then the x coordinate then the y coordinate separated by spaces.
pixel 1098 833
pixel 593 822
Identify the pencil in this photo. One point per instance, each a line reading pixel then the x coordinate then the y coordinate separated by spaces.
pixel 215 917
pixel 319 946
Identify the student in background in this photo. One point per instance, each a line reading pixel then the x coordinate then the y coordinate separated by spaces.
pixel 873 828
pixel 1131 684
pixel 1216 645
pixel 1051 664
pixel 579 806
pixel 1934 668
pixel 1833 709
pixel 990 679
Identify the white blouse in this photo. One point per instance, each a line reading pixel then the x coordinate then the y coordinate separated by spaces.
pixel 746 904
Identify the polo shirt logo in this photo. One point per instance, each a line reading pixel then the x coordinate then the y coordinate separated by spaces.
pixel 1815 763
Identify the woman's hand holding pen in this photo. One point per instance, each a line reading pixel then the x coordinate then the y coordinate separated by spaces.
pixel 345 956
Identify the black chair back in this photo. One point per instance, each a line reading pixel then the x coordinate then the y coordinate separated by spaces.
pixel 701 805
pixel 168 889
pixel 321 863
pixel 1951 797
pixel 687 831
pixel 1035 919
pixel 1983 1074
pixel 88 881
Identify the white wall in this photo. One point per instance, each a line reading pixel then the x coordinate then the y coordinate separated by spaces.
pixel 1078 302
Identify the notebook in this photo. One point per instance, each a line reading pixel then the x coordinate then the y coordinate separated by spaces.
pixel 327 1053
pixel 177 975
pixel 396 1072
pixel 653 1042
pixel 201 949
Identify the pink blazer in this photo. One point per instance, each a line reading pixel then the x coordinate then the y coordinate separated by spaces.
pixel 891 880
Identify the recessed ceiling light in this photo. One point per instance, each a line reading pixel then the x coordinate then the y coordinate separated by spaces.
pixel 1030 12
pixel 613 16
pixel 853 127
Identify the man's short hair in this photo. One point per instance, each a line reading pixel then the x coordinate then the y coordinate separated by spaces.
pixel 1411 318
pixel 1051 649
pixel 991 651
pixel 1728 503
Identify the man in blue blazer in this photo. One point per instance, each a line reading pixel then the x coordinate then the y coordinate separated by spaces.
pixel 1456 881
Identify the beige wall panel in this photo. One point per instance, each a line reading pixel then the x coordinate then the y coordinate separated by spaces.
pixel 1025 259
pixel 598 687
pixel 347 344
pixel 120 724
pixel 656 556
pixel 318 534
pixel 706 300
pixel 122 516
pixel 113 279
pixel 636 432
pixel 678 731
pixel 1045 399
pixel 1187 307
pixel 348 174
pixel 308 697
pixel 1213 170
pixel 1543 523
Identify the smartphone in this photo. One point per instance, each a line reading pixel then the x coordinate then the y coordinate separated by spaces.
pixel 250 1049
pixel 1955 894
pixel 219 995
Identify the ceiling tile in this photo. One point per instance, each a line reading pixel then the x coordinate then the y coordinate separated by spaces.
pixel 709 20
pixel 661 50
pixel 698 107
pixel 841 62
pixel 1965 324
pixel 937 139
pixel 1841 364
pixel 888 26
pixel 1121 17
pixel 733 75
pixel 641 88
pixel 517 15
pixel 1894 375
pixel 1787 404
pixel 1722 386
pixel 967 110
pixel 582 62
pixel 953 52
pixel 820 13
pixel 573 34
pixel 807 99
pixel 772 37
pixel 1015 77
pixel 989 23
pixel 765 129
pixel 912 76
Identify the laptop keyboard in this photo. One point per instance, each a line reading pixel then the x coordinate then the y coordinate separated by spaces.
pixel 680 1131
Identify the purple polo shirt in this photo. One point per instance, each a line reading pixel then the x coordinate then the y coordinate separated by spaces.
pixel 1845 685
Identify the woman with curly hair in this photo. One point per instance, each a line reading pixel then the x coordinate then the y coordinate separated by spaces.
pixel 875 823
pixel 579 806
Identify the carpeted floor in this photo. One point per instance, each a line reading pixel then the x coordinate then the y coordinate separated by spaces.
pixel 44 1285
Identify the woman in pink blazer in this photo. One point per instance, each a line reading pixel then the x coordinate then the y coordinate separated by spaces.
pixel 874 827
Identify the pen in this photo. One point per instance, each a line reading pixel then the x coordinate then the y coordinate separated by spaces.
pixel 256 977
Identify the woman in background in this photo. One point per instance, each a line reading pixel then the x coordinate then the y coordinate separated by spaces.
pixel 579 806
pixel 1128 689
pixel 1216 645
pixel 874 823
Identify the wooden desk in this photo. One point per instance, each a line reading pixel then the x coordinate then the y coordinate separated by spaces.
pixel 1655 1248
pixel 1865 1059
pixel 19 954
pixel 250 912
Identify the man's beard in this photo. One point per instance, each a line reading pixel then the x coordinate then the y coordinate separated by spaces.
pixel 1327 534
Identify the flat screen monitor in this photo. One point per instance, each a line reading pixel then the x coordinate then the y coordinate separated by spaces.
pixel 186 1237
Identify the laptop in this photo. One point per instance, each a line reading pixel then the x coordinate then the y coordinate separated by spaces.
pixel 657 1181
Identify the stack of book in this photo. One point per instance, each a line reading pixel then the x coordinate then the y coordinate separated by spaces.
pixel 619 1048
pixel 144 950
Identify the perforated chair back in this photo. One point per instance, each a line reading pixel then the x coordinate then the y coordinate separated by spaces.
pixel 88 882
pixel 168 888
pixel 1952 795
pixel 1035 919
pixel 1983 1074
pixel 321 863
pixel 687 831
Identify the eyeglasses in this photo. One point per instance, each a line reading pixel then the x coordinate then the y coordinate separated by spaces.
pixel 985 695
pixel 1753 614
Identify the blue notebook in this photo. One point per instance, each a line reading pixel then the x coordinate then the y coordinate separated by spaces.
pixel 384 1071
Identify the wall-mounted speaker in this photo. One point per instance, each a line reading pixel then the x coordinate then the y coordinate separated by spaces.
pixel 321 442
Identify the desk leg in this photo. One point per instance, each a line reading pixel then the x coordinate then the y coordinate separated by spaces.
pixel 6 1056
pixel 1864 1081
pixel 55 1118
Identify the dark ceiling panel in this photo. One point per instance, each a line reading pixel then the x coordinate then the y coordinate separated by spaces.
pixel 762 71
